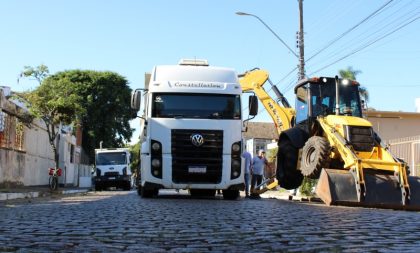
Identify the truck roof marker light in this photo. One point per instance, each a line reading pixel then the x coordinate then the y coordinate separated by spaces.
pixel 193 62
pixel 314 79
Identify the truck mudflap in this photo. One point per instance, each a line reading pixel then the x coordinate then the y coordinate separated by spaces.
pixel 338 187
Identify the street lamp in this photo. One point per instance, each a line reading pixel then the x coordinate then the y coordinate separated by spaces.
pixel 275 34
pixel 301 58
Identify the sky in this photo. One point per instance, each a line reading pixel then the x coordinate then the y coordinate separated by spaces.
pixel 379 38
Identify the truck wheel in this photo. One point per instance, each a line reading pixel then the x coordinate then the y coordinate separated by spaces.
pixel 287 174
pixel 98 187
pixel 315 156
pixel 127 186
pixel 230 194
pixel 146 193
pixel 139 190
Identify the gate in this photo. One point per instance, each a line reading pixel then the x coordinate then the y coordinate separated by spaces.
pixel 408 149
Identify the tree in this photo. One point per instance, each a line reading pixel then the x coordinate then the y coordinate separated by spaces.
pixel 106 100
pixel 350 73
pixel 53 101
pixel 135 156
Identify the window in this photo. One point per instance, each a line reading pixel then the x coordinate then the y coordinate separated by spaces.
pixel 71 153
pixel 19 135
pixel 301 104
pixel 197 106
pixel 111 158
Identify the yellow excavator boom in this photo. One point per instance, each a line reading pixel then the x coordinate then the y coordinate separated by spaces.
pixel 253 81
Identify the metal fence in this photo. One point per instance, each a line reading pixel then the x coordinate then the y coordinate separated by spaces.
pixel 408 149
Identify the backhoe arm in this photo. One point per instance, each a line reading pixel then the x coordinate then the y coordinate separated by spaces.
pixel 253 81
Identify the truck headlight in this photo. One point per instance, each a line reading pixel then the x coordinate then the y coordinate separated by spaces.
pixel 236 147
pixel 236 164
pixel 156 163
pixel 156 146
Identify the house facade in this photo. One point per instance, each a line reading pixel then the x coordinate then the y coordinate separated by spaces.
pixel 401 131
pixel 25 152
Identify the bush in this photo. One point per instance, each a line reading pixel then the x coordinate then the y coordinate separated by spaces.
pixel 308 186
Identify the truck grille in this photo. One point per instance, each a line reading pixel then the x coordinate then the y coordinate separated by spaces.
pixel 185 156
pixel 111 174
pixel 361 138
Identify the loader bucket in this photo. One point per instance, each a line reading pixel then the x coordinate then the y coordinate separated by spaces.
pixel 338 187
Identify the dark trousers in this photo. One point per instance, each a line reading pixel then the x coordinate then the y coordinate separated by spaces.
pixel 255 181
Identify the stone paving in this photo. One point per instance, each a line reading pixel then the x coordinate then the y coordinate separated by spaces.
pixel 117 221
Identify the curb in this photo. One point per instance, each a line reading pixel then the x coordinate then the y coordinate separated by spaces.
pixel 36 194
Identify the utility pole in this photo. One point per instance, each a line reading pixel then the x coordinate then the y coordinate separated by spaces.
pixel 301 43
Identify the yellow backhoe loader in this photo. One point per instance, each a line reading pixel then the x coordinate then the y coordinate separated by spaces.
pixel 326 137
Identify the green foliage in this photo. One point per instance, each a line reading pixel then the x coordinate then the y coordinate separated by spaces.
pixel 106 101
pixel 39 73
pixel 307 186
pixel 54 101
pixel 350 73
pixel 135 157
pixel 272 155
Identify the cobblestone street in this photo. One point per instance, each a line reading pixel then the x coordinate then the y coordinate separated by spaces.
pixel 117 221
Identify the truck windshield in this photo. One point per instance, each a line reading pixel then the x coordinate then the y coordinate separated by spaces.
pixel 111 158
pixel 196 106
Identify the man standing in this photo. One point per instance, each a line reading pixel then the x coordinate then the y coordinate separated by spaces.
pixel 258 164
pixel 248 163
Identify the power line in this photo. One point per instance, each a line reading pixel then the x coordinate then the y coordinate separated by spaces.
pixel 349 30
pixel 384 24
pixel 365 46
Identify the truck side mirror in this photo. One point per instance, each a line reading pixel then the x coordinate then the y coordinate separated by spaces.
pixel 136 99
pixel 253 105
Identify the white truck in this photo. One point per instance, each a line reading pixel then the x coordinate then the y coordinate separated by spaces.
pixel 112 168
pixel 191 130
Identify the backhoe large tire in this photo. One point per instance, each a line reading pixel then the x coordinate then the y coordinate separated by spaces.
pixel 287 174
pixel 315 156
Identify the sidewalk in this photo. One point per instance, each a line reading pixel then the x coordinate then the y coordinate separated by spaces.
pixel 27 192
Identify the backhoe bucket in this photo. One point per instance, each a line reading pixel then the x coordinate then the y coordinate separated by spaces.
pixel 338 187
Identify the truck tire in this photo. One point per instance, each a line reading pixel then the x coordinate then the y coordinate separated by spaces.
pixel 230 194
pixel 287 174
pixel 315 156
pixel 146 193
pixel 98 187
pixel 139 190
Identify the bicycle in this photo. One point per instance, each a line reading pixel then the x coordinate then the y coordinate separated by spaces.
pixel 53 180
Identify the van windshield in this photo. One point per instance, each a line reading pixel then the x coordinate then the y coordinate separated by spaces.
pixel 196 106
pixel 111 158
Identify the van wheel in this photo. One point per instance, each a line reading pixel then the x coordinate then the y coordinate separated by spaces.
pixel 287 174
pixel 315 156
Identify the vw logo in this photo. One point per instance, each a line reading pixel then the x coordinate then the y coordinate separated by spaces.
pixel 197 140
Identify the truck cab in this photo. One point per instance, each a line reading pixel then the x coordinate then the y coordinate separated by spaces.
pixel 191 130
pixel 112 168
